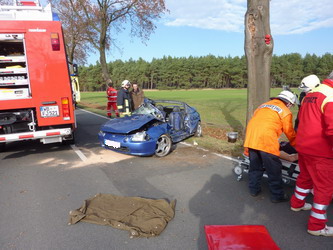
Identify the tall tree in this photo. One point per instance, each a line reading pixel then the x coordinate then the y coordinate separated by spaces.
pixel 258 51
pixel 104 16
pixel 75 30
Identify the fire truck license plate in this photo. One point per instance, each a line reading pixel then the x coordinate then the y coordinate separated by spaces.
pixel 112 143
pixel 49 111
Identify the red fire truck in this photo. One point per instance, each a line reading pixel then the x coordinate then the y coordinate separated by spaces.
pixel 36 98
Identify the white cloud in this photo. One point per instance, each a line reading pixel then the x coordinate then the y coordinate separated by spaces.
pixel 286 16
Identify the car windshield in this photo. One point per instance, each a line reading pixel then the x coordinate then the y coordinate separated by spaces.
pixel 149 109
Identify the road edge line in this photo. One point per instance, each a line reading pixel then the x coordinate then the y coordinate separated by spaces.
pixel 93 113
pixel 79 153
pixel 217 154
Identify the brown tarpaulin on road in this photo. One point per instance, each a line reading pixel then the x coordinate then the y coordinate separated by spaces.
pixel 140 216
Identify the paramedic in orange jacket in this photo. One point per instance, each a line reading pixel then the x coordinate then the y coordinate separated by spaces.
pixel 315 148
pixel 269 121
pixel 112 100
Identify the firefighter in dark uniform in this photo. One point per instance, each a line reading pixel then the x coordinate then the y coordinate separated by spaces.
pixel 112 100
pixel 124 102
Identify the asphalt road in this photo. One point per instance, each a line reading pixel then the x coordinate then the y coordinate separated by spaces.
pixel 40 184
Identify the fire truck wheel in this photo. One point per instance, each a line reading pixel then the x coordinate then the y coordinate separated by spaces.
pixel 2 146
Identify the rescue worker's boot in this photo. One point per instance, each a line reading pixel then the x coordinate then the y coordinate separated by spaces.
pixel 307 206
pixel 284 198
pixel 326 231
pixel 255 194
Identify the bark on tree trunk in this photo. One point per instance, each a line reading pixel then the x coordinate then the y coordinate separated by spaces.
pixel 258 50
pixel 104 66
pixel 102 54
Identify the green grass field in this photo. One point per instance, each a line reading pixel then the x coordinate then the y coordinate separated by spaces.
pixel 221 111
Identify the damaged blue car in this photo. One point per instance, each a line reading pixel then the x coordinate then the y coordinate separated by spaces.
pixel 151 129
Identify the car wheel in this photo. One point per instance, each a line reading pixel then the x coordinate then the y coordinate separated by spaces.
pixel 198 132
pixel 163 146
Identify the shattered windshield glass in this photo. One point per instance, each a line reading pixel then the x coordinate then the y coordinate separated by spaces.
pixel 148 109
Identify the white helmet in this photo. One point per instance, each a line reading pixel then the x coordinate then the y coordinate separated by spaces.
pixel 308 83
pixel 125 82
pixel 288 96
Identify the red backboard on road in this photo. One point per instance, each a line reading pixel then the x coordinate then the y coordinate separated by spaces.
pixel 254 237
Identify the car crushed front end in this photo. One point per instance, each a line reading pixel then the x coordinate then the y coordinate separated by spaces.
pixel 138 142
pixel 125 144
pixel 151 129
pixel 136 134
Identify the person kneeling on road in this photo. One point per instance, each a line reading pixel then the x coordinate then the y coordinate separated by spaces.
pixel 262 139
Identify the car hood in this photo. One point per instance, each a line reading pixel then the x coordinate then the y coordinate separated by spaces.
pixel 126 124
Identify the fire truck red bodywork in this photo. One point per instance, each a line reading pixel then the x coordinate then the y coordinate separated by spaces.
pixel 46 109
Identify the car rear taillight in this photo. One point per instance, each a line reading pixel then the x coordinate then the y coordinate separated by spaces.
pixel 55 42
pixel 65 108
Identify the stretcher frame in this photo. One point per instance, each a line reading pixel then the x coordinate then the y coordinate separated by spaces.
pixel 290 170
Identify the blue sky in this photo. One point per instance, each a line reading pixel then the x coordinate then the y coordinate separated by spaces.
pixel 202 27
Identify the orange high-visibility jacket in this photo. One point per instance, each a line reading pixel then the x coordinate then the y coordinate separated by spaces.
pixel 269 121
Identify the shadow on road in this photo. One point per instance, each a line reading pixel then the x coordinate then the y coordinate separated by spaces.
pixel 233 122
pixel 224 201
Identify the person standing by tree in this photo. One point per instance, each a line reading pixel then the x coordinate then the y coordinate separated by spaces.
pixel 315 148
pixel 262 140
pixel 124 101
pixel 137 96
pixel 112 100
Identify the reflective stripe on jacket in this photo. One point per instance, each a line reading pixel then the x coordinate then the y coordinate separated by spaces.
pixel 315 131
pixel 269 121
pixel 124 103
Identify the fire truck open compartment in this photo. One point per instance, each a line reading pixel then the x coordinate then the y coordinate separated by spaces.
pixel 14 79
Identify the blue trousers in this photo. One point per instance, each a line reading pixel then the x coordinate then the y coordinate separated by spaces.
pixel 259 163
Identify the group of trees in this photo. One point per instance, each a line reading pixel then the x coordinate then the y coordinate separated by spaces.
pixel 94 25
pixel 204 72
